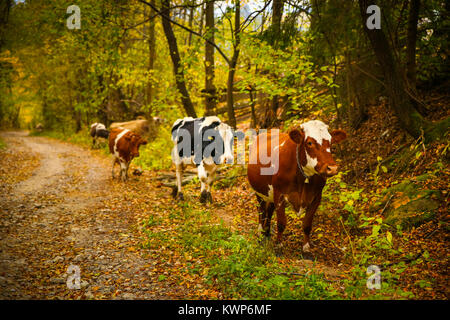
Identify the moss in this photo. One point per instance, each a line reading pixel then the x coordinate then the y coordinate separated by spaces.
pixel 423 177
pixel 420 208
pixel 437 131
pixel 410 205
pixel 413 214
pixel 402 160
pixel 406 187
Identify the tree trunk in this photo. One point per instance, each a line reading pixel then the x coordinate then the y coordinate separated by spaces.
pixel 411 43
pixel 410 120
pixel 102 111
pixel 252 106
pixel 5 8
pixel 356 111
pixel 232 66
pixel 277 14
pixel 175 56
pixel 210 89
pixel 152 57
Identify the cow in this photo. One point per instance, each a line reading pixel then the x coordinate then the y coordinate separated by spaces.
pixel 124 146
pixel 304 164
pixel 98 130
pixel 141 126
pixel 204 142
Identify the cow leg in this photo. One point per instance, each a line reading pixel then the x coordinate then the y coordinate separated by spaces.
pixel 307 222
pixel 123 170
pixel 127 165
pixel 281 225
pixel 203 177
pixel 267 218
pixel 179 174
pixel 280 205
pixel 112 169
pixel 262 216
pixel 211 174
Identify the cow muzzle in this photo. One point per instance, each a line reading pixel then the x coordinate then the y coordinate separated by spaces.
pixel 328 170
pixel 331 170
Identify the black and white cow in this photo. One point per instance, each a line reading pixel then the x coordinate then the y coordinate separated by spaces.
pixel 204 142
pixel 98 130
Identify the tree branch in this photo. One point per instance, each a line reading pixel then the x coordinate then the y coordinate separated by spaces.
pixel 258 12
pixel 166 17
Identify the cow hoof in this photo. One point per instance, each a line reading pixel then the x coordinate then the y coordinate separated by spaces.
pixel 203 196
pixel 209 197
pixel 174 192
pixel 180 196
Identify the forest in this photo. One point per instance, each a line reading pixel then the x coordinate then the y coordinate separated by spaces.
pixel 378 70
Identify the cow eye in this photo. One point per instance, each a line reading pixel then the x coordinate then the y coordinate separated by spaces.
pixel 310 143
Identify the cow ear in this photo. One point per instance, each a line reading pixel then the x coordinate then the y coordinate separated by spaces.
pixel 296 136
pixel 337 136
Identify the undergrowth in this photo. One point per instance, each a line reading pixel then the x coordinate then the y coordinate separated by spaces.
pixel 240 267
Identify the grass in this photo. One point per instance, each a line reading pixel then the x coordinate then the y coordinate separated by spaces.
pixel 239 267
pixel 2 144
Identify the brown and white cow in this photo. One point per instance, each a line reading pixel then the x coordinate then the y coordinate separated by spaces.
pixel 304 164
pixel 143 127
pixel 124 146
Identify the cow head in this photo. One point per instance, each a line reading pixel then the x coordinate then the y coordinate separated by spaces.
pixel 314 147
pixel 135 141
pixel 227 136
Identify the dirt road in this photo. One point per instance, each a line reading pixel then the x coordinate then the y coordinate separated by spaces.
pixel 55 222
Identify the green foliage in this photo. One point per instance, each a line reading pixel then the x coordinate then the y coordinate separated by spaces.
pixel 230 177
pixel 239 266
pixel 2 144
pixel 375 244
pixel 156 154
pixel 250 271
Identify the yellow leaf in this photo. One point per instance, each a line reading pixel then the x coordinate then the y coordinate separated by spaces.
pixel 389 237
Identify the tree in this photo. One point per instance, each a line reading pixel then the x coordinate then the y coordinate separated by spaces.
pixel 233 63
pixel 176 60
pixel 277 14
pixel 152 55
pixel 411 43
pixel 5 7
pixel 409 118
pixel 210 89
